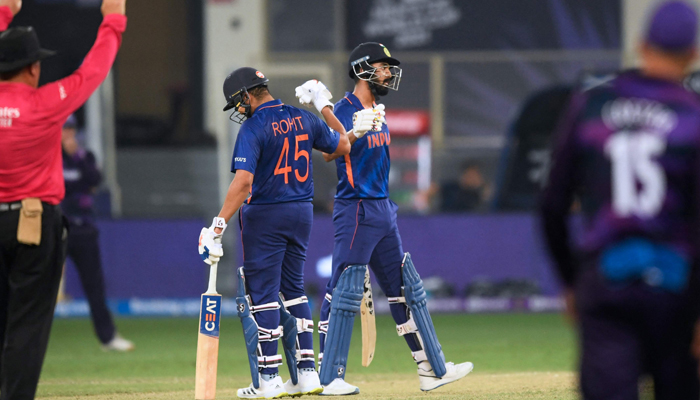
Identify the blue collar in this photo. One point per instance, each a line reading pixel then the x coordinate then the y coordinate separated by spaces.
pixel 354 100
pixel 271 103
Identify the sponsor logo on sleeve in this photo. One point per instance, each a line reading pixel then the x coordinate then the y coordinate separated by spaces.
pixel 62 92
pixel 239 159
pixel 7 114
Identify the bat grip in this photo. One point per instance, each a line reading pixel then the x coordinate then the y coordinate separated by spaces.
pixel 212 273
pixel 212 278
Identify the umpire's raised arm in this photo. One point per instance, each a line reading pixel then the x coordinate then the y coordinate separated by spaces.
pixel 63 97
pixel 8 9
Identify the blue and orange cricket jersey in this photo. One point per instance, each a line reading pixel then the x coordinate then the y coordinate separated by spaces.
pixel 364 173
pixel 275 146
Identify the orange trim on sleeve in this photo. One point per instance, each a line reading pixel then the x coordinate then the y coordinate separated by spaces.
pixel 348 170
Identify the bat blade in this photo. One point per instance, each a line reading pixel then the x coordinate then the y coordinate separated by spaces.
pixel 207 347
pixel 369 328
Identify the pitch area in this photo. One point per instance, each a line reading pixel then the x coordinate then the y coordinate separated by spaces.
pixel 516 356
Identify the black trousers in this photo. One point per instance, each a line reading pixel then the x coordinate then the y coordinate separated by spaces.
pixel 630 330
pixel 29 279
pixel 84 250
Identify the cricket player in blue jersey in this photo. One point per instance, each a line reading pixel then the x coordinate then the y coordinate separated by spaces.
pixel 366 233
pixel 272 163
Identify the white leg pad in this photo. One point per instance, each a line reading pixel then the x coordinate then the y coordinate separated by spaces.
pixel 305 325
pixel 406 328
pixel 269 335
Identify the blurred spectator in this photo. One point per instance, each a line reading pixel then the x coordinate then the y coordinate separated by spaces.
pixel 82 178
pixel 468 193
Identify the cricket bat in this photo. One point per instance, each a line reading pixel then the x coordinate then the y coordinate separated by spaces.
pixel 369 329
pixel 208 340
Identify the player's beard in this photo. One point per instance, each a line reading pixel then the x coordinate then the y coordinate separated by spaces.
pixel 378 90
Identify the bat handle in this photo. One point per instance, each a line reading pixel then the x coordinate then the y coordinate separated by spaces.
pixel 212 278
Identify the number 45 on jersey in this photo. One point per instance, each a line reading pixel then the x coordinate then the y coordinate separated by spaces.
pixel 286 168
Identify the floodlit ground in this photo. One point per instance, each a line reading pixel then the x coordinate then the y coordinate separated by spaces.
pixel 516 356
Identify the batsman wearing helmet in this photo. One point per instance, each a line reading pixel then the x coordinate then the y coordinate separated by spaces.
pixel 272 163
pixel 364 219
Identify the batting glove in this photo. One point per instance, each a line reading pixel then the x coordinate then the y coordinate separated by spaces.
pixel 210 248
pixel 316 93
pixel 369 119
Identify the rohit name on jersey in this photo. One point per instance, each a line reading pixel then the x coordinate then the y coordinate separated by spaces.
pixel 285 125
pixel 378 139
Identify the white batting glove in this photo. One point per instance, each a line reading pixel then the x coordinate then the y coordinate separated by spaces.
pixel 316 93
pixel 210 248
pixel 369 119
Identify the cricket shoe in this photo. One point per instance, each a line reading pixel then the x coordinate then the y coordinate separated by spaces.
pixel 272 389
pixel 308 383
pixel 339 388
pixel 118 343
pixel 428 380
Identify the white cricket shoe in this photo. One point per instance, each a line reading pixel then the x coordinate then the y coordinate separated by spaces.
pixel 308 383
pixel 272 389
pixel 118 343
pixel 339 388
pixel 428 380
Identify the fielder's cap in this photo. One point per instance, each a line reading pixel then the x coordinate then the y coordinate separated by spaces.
pixel 371 52
pixel 71 122
pixel 242 78
pixel 20 47
pixel 673 26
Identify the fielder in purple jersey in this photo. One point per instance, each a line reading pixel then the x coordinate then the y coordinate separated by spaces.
pixel 274 177
pixel 629 151
pixel 366 233
pixel 82 177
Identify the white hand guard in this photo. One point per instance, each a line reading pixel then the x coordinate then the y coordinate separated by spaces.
pixel 210 248
pixel 369 119
pixel 314 92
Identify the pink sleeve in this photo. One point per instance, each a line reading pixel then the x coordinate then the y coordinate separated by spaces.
pixel 61 98
pixel 5 17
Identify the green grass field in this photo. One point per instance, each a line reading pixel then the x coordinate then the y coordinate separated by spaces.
pixel 516 356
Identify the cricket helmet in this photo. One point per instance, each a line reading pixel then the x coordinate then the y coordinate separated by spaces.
pixel 360 66
pixel 236 87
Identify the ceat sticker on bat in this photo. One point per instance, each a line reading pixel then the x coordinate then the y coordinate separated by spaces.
pixel 260 74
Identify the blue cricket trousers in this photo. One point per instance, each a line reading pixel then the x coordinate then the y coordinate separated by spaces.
pixel 275 238
pixel 366 233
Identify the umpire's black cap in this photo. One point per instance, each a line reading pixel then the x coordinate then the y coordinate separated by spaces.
pixel 20 47
pixel 239 80
pixel 370 52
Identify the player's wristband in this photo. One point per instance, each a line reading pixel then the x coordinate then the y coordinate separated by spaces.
pixel 321 102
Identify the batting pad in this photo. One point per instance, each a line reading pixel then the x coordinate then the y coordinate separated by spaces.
pixel 347 298
pixel 416 300
pixel 250 328
pixel 289 340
